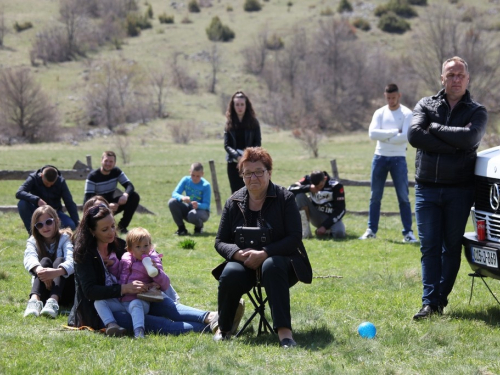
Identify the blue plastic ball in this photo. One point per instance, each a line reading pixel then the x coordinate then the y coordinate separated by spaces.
pixel 367 330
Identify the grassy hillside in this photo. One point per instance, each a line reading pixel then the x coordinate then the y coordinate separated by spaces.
pixel 153 49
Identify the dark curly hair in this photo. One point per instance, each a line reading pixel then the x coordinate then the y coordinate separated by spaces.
pixel 84 239
pixel 249 120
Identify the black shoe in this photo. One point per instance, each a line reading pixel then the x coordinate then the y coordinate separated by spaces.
pixel 198 230
pixel 427 310
pixel 182 232
pixel 288 343
pixel 123 230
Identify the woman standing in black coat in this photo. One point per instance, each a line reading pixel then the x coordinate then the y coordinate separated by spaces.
pixel 242 131
pixel 281 263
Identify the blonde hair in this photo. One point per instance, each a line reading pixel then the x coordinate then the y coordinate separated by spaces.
pixel 136 235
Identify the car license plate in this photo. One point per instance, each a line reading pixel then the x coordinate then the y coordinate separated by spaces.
pixel 483 256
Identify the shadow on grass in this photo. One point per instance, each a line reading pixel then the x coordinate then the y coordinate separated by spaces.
pixel 316 338
pixel 490 316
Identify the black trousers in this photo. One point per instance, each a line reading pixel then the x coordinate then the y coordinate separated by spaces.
pixel 235 180
pixel 128 209
pixel 277 278
pixel 62 287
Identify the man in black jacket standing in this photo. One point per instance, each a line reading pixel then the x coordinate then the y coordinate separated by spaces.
pixel 324 207
pixel 446 131
pixel 46 186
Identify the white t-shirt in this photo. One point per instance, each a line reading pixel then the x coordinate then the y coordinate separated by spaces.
pixel 389 129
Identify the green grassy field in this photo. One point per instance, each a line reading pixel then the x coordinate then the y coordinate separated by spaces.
pixel 380 282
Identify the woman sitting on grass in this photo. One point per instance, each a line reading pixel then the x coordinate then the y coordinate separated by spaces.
pixel 94 237
pixel 49 258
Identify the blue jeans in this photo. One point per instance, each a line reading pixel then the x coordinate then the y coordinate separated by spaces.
pixel 441 215
pixel 167 317
pixel 26 210
pixel 396 166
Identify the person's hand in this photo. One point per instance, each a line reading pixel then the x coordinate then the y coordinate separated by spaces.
pixel 186 199
pixel 41 202
pixel 48 284
pixel 135 287
pixel 321 231
pixel 113 207
pixel 49 274
pixel 195 205
pixel 254 258
pixel 123 199
pixel 313 188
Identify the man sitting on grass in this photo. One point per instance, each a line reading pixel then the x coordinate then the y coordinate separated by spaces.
pixel 194 207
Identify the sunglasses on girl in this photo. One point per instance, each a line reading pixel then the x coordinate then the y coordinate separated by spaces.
pixel 47 222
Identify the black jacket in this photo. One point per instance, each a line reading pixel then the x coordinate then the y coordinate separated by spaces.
pixel 90 285
pixel 330 200
pixel 252 139
pixel 281 213
pixel 33 189
pixel 446 149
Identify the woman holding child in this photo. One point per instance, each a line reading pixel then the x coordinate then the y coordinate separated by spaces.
pixel 94 242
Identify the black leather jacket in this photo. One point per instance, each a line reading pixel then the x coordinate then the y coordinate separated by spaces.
pixel 446 148
pixel 252 139
pixel 281 213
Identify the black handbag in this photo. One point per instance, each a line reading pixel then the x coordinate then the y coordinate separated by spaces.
pixel 252 237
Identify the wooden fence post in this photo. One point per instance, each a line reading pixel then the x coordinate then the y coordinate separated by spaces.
pixel 215 187
pixel 89 162
pixel 335 171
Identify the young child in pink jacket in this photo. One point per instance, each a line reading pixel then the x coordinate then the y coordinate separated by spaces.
pixel 131 269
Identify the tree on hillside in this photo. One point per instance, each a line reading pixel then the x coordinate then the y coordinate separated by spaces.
pixel 218 32
pixel 25 107
pixel 159 84
pixel 3 27
pixel 441 37
pixel 254 56
pixel 116 94
pixel 214 60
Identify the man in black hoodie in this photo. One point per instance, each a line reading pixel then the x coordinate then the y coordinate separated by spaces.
pixel 46 186
pixel 324 207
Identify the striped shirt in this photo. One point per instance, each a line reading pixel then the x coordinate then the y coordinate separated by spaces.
pixel 105 185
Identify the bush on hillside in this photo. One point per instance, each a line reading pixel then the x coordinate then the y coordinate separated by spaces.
pixel 361 23
pixel 418 2
pixel 19 27
pixel 392 23
pixel 218 32
pixel 327 12
pixel 193 6
pixel 163 18
pixel 136 23
pixel 400 7
pixel 344 6
pixel 186 19
pixel 274 43
pixel 229 8
pixel 252 6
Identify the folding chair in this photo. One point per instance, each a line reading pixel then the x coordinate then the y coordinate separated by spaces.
pixel 259 303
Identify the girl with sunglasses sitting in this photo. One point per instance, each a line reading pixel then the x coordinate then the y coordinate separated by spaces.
pixel 49 259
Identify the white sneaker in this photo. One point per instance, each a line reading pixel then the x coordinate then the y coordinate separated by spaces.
pixel 34 307
pixel 368 234
pixel 51 308
pixel 409 238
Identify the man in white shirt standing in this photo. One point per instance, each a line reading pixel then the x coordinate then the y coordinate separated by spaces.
pixel 389 128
